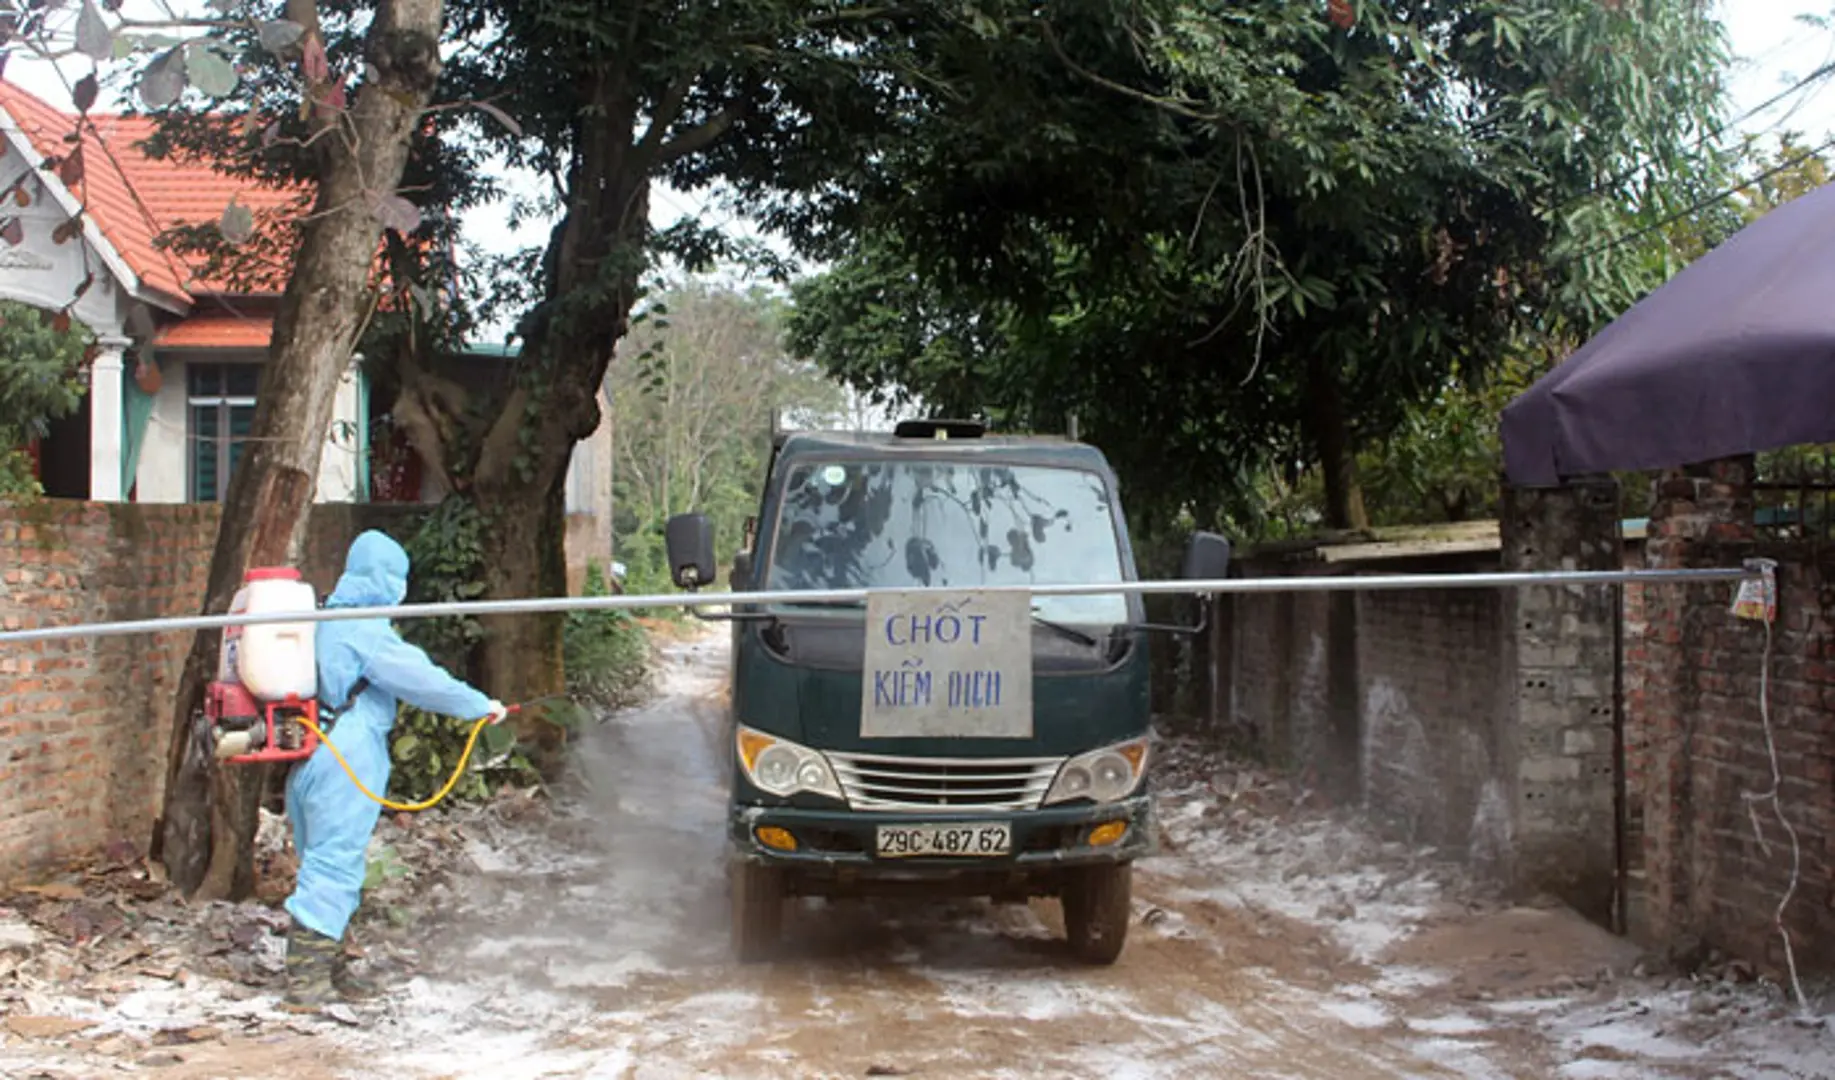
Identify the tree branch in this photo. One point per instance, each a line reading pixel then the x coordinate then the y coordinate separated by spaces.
pixel 702 135
pixel 1175 106
pixel 668 109
pixel 856 15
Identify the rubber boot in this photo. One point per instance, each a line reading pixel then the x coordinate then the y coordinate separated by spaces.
pixel 353 986
pixel 312 960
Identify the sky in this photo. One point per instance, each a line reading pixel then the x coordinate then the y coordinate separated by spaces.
pixel 1772 49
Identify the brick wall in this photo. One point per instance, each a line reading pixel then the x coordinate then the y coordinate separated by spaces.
pixel 1393 702
pixel 83 724
pixel 1693 712
pixel 1434 729
pixel 1480 721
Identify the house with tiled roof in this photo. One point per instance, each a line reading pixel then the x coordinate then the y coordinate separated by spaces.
pixel 177 371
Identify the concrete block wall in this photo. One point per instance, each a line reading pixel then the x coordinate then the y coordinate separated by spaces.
pixel 1563 662
pixel 1276 673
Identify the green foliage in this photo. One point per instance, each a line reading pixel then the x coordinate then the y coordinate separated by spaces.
pixel 693 391
pixel 385 867
pixel 1245 238
pixel 447 555
pixel 1443 461
pixel 607 661
pixel 448 563
pixel 425 749
pixel 607 653
pixel 41 380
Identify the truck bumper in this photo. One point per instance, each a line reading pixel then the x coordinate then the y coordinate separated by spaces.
pixel 836 850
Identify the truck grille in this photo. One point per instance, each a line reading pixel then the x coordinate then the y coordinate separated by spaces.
pixel 874 782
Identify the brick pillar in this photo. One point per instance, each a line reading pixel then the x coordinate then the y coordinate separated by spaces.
pixel 1562 641
pixel 1689 507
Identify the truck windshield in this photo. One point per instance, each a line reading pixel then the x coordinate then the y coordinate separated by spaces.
pixel 913 523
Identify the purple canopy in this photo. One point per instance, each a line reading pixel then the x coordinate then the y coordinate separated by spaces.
pixel 1736 354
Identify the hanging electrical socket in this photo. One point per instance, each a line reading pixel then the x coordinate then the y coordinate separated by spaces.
pixel 1758 597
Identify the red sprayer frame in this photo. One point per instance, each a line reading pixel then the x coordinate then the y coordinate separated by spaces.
pixel 278 736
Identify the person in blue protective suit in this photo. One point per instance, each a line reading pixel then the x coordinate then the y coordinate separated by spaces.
pixel 365 668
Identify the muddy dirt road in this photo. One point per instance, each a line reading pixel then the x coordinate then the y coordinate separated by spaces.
pixel 586 938
pixel 1263 947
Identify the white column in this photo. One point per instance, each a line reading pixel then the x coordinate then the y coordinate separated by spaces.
pixel 106 391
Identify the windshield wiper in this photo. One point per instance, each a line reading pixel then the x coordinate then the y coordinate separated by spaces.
pixel 1070 632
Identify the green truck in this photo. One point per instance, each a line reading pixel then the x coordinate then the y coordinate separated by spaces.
pixel 951 743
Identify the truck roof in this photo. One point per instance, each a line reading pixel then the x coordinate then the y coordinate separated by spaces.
pixel 1009 449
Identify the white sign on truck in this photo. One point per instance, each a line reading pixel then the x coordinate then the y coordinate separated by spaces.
pixel 947 664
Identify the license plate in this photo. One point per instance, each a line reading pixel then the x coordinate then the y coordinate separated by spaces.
pixel 968 839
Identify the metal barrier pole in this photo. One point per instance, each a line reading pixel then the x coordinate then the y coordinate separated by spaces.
pixel 543 605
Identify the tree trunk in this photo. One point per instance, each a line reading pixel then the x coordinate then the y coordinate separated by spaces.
pixel 525 555
pixel 205 836
pixel 521 471
pixel 1331 435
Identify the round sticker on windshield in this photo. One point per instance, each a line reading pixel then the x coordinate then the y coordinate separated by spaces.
pixel 833 475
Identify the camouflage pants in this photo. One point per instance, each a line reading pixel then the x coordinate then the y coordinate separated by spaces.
pixel 318 972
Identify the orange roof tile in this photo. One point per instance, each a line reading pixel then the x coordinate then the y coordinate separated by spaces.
pixel 133 198
pixel 217 332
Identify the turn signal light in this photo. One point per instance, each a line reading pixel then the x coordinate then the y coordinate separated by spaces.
pixel 1107 833
pixel 775 838
pixel 752 744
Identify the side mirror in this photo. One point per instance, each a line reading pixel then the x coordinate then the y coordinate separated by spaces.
pixel 1207 558
pixel 689 540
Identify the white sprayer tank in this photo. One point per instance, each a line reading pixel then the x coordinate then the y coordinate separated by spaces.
pixel 276 660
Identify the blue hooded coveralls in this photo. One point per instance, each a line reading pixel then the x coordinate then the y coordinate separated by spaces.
pixel 332 820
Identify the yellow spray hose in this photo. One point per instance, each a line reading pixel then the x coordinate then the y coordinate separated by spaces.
pixel 425 804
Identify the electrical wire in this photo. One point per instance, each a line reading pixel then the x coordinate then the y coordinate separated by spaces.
pixel 1704 203
pixel 1774 797
pixel 1820 73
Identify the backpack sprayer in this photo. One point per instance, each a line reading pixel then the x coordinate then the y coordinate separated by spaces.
pixel 263 706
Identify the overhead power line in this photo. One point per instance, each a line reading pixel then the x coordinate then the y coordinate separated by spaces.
pixel 1703 203
pixel 1813 77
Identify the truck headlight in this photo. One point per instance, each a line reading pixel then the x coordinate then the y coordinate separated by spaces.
pixel 781 767
pixel 1101 776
